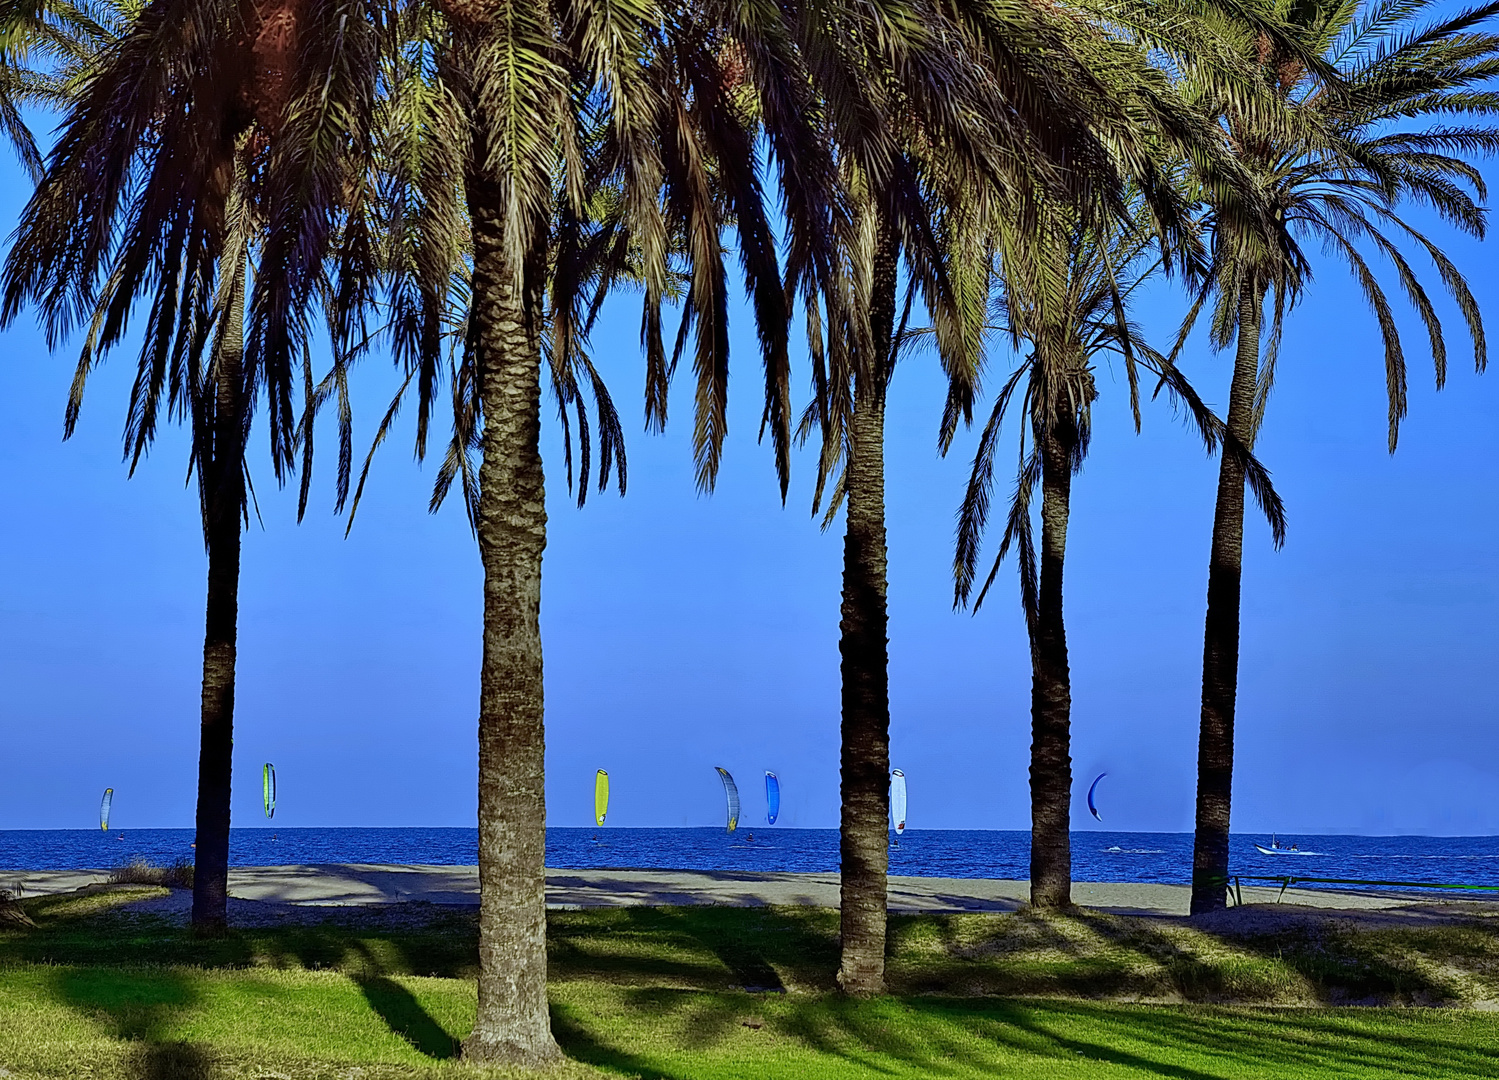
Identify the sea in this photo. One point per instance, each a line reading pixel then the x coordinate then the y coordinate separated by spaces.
pixel 1390 861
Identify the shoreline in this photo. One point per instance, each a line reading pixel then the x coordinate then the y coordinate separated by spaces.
pixel 362 885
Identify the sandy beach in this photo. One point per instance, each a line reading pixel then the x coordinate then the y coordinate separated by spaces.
pixel 362 885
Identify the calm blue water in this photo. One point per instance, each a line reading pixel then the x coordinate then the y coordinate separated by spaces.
pixel 1160 857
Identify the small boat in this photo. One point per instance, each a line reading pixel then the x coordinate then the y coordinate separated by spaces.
pixel 1277 848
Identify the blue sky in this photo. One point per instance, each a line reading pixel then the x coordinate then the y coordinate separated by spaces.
pixel 684 631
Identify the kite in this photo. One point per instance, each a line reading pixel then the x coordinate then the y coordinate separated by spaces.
pixel 731 793
pixel 600 796
pixel 268 788
pixel 1092 809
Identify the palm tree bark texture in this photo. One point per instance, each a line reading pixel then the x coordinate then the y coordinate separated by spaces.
pixel 1220 648
pixel 1051 686
pixel 864 837
pixel 513 1025
pixel 226 496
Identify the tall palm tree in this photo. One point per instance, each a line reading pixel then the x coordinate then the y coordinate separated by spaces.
pixel 559 149
pixel 195 175
pixel 1388 108
pixel 1067 281
pixel 893 220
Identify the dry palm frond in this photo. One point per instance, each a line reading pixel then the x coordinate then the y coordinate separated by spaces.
pixel 11 910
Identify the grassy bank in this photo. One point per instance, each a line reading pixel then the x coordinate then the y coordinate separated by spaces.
pixel 159 1024
pixel 92 990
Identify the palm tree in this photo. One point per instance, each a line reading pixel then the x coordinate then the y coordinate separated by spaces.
pixel 898 220
pixel 183 180
pixel 1386 110
pixel 1067 282
pixel 560 151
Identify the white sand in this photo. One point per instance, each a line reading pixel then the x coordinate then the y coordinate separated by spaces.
pixel 363 884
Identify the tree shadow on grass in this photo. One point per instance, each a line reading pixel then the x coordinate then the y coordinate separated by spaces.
pixel 631 946
pixel 1365 967
pixel 1019 1025
pixel 581 1044
pixel 761 949
pixel 102 929
pixel 1330 964
pixel 1310 1043
pixel 398 1007
pixel 405 1016
pixel 172 1061
pixel 747 967
pixel 942 1037
pixel 143 1006
pixel 1097 955
pixel 1025 953
pixel 140 1006
pixel 883 1036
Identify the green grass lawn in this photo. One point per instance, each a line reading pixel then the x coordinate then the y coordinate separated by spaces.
pixel 92 991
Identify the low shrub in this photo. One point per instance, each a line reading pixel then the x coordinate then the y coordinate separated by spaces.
pixel 139 872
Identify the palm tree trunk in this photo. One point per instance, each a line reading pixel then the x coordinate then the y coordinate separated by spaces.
pixel 864 836
pixel 513 1025
pixel 225 504
pixel 1051 686
pixel 1220 648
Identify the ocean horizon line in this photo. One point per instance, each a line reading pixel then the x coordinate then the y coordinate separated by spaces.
pixel 1097 854
pixel 748 828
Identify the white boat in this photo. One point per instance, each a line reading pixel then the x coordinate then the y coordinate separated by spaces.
pixel 1276 848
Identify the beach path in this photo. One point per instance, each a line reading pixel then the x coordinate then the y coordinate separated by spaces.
pixel 353 884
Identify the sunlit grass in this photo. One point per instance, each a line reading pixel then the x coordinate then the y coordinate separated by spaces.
pixel 668 1033
pixel 94 990
pixel 192 1023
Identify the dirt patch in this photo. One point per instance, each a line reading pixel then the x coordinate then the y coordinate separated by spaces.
pixel 177 907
